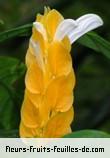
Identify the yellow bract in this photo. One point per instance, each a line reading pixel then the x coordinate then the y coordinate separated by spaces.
pixel 47 107
pixel 50 20
pixel 59 59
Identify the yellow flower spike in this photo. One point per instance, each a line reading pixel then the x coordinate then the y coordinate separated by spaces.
pixel 58 126
pixel 47 107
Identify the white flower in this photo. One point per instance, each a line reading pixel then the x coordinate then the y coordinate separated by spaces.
pixel 74 29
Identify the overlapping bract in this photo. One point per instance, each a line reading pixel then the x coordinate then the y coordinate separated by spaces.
pixel 47 107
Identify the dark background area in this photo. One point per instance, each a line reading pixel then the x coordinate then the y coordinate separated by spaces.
pixel 92 91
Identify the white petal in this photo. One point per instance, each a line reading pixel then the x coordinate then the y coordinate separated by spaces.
pixel 86 23
pixel 65 28
pixel 36 48
pixel 39 27
pixel 74 29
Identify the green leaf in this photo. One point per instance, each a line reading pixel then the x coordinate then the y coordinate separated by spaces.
pixel 1 22
pixel 95 42
pixel 88 134
pixel 19 31
pixel 10 71
pixel 9 133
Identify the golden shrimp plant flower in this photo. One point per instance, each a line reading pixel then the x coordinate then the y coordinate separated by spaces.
pixel 47 109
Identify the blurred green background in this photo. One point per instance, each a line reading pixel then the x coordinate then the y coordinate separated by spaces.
pixel 92 91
